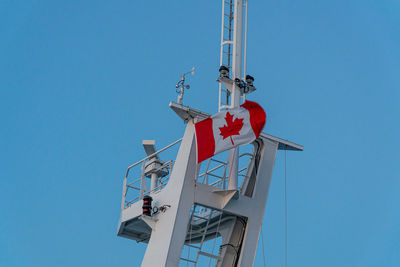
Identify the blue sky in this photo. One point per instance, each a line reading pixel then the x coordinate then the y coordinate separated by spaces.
pixel 83 82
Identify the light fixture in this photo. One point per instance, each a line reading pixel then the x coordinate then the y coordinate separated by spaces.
pixel 249 80
pixel 224 71
pixel 239 83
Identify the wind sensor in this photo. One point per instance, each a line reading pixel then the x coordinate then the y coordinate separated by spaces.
pixel 180 86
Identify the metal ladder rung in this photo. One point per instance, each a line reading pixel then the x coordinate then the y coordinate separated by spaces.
pixel 209 255
pixel 188 260
pixel 227 41
pixel 192 246
pixel 199 217
pixel 133 187
pixel 216 176
pixel 222 162
pixel 228 3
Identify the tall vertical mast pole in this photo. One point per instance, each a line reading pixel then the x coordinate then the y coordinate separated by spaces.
pixel 235 94
pixel 237 51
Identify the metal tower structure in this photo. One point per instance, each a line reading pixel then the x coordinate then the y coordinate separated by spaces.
pixel 207 214
pixel 231 46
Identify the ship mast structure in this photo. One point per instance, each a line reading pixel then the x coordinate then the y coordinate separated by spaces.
pixel 207 214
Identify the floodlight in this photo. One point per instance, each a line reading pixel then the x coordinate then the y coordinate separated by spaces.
pixel 224 71
pixel 249 80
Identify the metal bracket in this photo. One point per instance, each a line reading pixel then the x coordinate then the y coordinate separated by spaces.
pixel 150 221
pixel 227 82
pixel 186 113
pixel 227 195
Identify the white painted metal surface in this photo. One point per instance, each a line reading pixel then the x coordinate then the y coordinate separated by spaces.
pixel 166 232
pixel 231 51
pixel 235 90
pixel 210 212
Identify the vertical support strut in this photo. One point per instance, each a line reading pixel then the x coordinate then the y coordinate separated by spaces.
pixel 237 51
pixel 245 46
pixel 153 184
pixel 235 97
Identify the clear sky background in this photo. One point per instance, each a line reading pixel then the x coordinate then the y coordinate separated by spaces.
pixel 83 82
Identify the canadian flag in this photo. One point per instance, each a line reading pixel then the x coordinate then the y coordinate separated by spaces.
pixel 229 129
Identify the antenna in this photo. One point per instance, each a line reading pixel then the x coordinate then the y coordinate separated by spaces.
pixel 180 86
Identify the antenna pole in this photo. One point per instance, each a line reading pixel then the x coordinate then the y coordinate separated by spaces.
pixel 182 88
pixel 237 51
pixel 235 96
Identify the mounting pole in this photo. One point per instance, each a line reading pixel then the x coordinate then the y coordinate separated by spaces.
pixel 237 51
pixel 180 86
pixel 235 96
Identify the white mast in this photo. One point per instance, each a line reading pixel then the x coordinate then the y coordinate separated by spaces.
pixel 237 51
pixel 233 52
pixel 189 205
pixel 231 57
pixel 236 74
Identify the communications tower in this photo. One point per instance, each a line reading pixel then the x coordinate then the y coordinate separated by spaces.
pixel 207 214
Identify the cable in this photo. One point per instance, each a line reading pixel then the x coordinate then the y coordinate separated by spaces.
pixel 262 243
pixel 285 214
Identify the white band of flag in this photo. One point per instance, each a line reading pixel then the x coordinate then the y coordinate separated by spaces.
pixel 229 129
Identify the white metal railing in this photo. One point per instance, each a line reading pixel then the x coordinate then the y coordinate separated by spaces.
pixel 215 171
pixel 135 188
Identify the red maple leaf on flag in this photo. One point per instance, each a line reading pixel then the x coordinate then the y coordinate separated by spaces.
pixel 232 127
